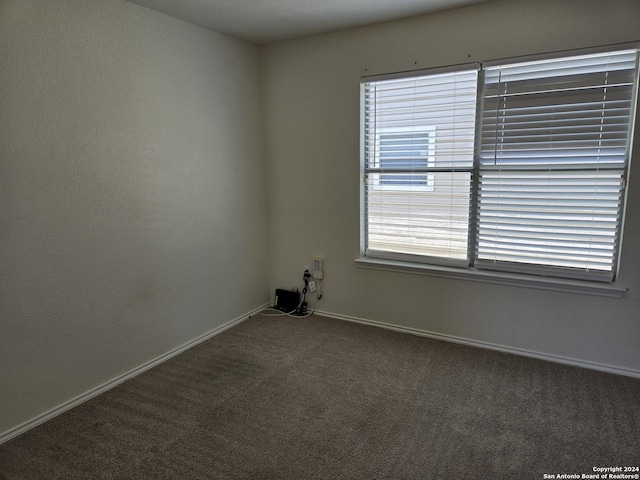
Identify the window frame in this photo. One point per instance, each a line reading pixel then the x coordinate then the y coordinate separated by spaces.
pixel 453 167
pixel 425 264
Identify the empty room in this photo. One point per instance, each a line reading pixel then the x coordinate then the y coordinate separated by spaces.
pixel 284 239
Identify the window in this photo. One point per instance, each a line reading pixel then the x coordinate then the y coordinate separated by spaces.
pixel 533 181
pixel 404 218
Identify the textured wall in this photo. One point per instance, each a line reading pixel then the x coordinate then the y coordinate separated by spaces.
pixel 132 193
pixel 312 120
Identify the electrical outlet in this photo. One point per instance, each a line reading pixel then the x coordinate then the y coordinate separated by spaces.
pixel 318 272
pixel 312 286
pixel 307 268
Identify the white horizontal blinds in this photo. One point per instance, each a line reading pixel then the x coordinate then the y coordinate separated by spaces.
pixel 552 162
pixel 418 149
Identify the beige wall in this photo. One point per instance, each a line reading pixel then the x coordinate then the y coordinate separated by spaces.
pixel 132 194
pixel 311 91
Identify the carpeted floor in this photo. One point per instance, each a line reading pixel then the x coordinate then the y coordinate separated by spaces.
pixel 316 398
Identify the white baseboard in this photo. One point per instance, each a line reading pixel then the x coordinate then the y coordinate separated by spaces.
pixel 629 372
pixel 14 432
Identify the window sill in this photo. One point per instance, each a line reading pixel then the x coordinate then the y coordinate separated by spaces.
pixel 501 278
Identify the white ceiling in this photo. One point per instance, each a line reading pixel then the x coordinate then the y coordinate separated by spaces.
pixel 266 21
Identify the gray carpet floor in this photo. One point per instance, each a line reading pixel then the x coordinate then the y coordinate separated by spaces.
pixel 316 398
